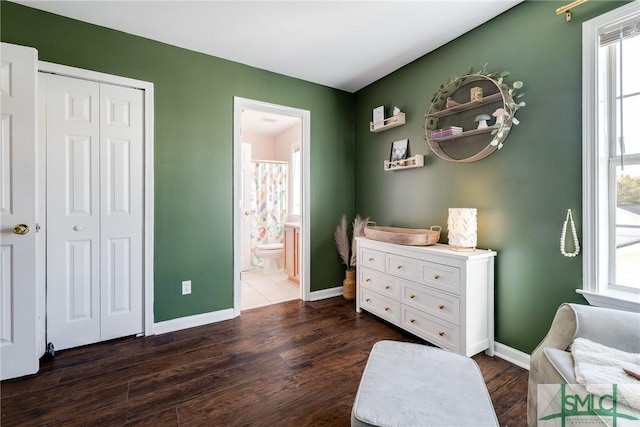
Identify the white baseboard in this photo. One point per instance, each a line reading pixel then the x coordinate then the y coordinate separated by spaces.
pixel 192 321
pixel 218 316
pixel 512 355
pixel 325 293
pixel 502 351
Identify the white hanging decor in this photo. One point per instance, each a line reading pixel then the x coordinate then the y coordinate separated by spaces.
pixel 463 229
pixel 576 244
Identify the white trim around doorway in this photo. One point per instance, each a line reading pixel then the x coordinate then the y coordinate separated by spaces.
pixel 147 88
pixel 305 269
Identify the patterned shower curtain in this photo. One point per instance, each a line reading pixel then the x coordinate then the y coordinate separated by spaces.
pixel 268 204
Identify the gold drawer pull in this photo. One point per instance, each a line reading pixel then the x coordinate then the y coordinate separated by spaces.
pixel 387 309
pixel 370 259
pixel 437 276
pixel 412 320
pixel 368 280
pixel 441 306
pixel 387 287
pixel 368 300
pixel 412 296
pixel 399 267
pixel 441 333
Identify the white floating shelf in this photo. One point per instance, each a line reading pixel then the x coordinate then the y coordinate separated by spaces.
pixel 388 123
pixel 416 161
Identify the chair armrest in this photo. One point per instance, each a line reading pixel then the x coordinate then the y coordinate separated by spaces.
pixel 562 330
pixel 560 336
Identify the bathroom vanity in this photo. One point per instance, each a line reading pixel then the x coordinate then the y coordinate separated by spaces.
pixel 440 295
pixel 292 251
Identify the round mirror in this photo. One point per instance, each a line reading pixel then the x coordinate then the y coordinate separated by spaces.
pixel 469 118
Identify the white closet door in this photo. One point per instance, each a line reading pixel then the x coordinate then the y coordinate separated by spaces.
pixel 94 211
pixel 121 165
pixel 18 327
pixel 73 211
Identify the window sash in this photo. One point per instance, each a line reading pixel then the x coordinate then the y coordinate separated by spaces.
pixel 613 224
pixel 609 123
pixel 625 31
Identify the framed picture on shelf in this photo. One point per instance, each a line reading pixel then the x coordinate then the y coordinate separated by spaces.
pixel 378 117
pixel 399 150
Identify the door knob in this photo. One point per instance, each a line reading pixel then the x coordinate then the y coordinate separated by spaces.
pixel 21 229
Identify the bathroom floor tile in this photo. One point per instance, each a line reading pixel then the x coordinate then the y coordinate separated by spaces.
pixel 251 274
pixel 260 289
pixel 280 275
pixel 247 289
pixel 254 301
pixel 258 280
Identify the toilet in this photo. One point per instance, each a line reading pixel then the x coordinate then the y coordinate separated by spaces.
pixel 271 255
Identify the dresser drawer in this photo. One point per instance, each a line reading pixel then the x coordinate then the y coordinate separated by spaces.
pixel 440 305
pixel 401 266
pixel 381 283
pixel 380 305
pixel 371 258
pixel 439 332
pixel 439 276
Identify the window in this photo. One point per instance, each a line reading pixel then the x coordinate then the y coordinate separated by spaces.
pixel 611 158
pixel 296 181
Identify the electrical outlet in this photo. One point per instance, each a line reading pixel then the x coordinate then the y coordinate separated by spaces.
pixel 186 287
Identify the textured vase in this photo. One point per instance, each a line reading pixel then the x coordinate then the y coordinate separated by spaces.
pixel 349 285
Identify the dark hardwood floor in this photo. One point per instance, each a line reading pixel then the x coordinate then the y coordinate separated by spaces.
pixel 290 364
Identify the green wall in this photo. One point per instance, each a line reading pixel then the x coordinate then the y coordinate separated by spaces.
pixel 194 150
pixel 522 191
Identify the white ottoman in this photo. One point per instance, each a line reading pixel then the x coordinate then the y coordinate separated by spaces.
pixel 407 384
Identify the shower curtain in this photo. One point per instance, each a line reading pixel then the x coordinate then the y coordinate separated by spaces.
pixel 268 204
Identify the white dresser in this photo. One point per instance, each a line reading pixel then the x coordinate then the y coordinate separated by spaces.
pixel 440 295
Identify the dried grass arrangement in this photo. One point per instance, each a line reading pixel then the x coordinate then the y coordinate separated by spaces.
pixel 341 235
pixel 342 241
pixel 358 231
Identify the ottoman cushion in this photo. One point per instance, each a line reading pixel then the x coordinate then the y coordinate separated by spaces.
pixel 407 384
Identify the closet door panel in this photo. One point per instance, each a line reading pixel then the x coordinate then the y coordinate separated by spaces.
pixel 73 211
pixel 121 133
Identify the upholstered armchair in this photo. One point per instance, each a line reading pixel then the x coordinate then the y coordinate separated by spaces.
pixel 551 361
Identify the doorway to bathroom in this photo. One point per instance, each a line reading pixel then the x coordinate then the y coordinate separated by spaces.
pixel 270 204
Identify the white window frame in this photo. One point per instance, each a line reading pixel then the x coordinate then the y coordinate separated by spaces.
pixel 595 214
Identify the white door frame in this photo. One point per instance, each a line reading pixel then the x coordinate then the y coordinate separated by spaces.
pixel 147 88
pixel 238 105
pixel 245 196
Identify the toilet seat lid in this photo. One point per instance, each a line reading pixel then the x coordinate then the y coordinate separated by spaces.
pixel 270 246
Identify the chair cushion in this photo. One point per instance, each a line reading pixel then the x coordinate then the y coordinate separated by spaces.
pixel 562 362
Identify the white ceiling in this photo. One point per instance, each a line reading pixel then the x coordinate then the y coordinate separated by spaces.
pixel 263 123
pixel 341 44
